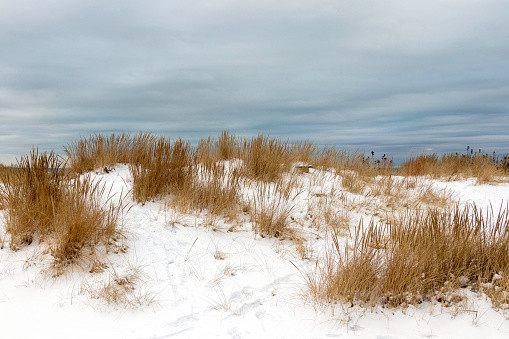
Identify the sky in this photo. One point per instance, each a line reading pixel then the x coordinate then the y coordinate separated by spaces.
pixel 395 76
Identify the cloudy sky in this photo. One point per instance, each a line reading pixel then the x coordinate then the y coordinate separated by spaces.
pixel 394 76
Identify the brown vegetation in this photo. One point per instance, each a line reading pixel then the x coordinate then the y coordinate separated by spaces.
pixel 45 204
pixel 428 256
pixel 416 248
pixel 171 171
pixel 485 168
pixel 98 151
pixel 120 288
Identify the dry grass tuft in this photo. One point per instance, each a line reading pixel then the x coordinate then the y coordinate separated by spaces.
pixel 227 146
pixel 7 174
pixel 337 219
pixel 218 191
pixel 332 158
pixel 428 257
pixel 329 207
pixel 210 151
pixel 395 194
pixel 120 288
pixel 304 152
pixel 4 171
pixel 171 171
pixel 30 194
pixel 429 196
pixel 498 290
pixel 358 172
pixel 265 159
pixel 82 221
pixel 353 182
pixel 165 169
pixel 214 191
pixel 272 205
pixel 43 203
pixel 485 168
pixel 99 151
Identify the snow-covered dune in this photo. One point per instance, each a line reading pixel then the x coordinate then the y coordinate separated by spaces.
pixel 191 280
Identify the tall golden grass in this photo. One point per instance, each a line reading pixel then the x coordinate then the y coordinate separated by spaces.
pixel 217 191
pixel 100 151
pixel 214 191
pixel 225 147
pixel 3 170
pixel 426 257
pixel 265 158
pixel 166 168
pixel 83 220
pixel 6 173
pixel 271 207
pixel 46 204
pixel 453 166
pixel 170 170
pixel 30 193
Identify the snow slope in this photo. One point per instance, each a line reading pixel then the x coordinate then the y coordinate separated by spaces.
pixel 199 282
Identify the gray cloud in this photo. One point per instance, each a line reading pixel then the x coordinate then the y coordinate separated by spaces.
pixel 394 76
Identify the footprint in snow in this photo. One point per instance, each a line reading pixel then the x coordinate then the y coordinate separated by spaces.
pixel 356 328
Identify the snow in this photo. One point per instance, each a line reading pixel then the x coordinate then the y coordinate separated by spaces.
pixel 197 281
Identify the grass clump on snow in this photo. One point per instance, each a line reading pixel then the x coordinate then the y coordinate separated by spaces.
pixel 4 171
pixel 121 287
pixel 170 170
pixel 166 169
pixel 99 152
pixel 44 203
pixel 262 158
pixel 272 205
pixel 30 194
pixel 265 159
pixel 485 168
pixel 429 256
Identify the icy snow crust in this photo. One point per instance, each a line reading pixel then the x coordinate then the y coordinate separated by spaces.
pixel 196 281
